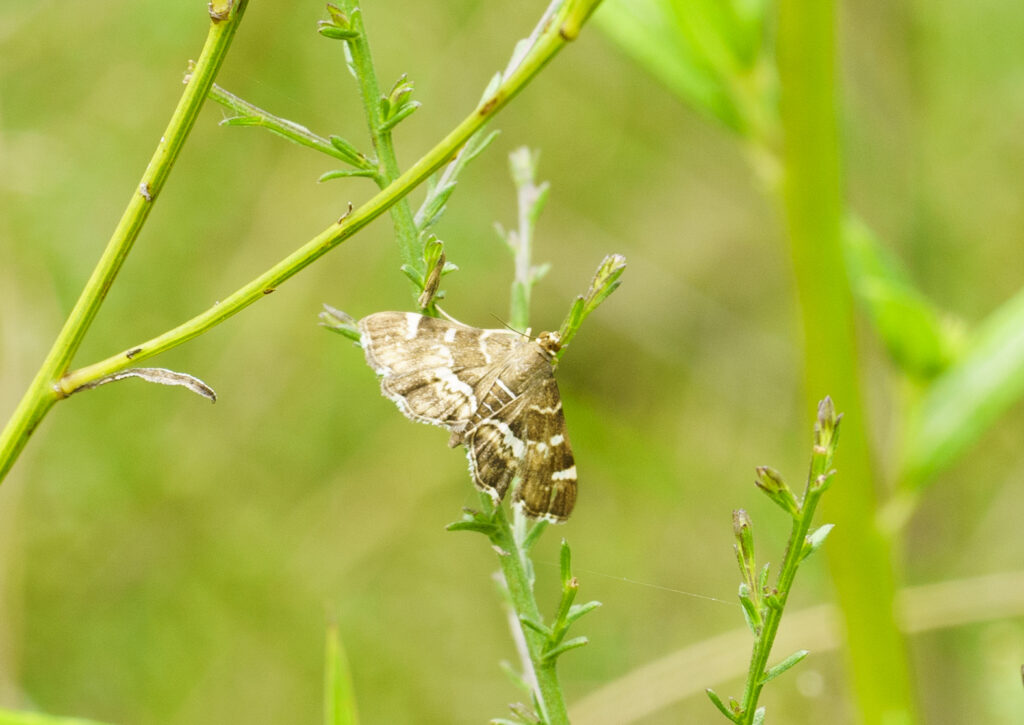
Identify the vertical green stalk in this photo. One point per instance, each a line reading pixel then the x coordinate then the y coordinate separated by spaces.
pixel 860 557
pixel 519 583
pixel 43 392
pixel 358 51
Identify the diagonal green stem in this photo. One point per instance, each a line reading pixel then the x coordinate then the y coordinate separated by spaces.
pixel 551 37
pixel 44 390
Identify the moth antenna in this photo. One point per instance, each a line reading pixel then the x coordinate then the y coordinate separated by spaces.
pixel 510 328
pixel 447 316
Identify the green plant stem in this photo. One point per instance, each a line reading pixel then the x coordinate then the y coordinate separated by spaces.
pixel 44 389
pixel 292 131
pixel 770 627
pixel 519 584
pixel 860 557
pixel 529 202
pixel 551 37
pixel 383 146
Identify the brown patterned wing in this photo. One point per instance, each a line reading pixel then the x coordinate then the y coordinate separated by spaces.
pixel 547 487
pixel 429 366
pixel 527 439
pixel 495 449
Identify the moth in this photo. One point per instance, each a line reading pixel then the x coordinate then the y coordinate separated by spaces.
pixel 495 391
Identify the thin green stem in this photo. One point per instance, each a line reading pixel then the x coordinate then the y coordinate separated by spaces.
pixel 47 389
pixel 860 557
pixel 529 202
pixel 766 639
pixel 256 116
pixel 548 44
pixel 361 60
pixel 518 581
pixel 44 390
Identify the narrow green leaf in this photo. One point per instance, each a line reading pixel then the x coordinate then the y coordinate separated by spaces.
pixel 339 693
pixel 534 534
pixel 649 32
pixel 242 121
pixel 578 610
pixel 565 563
pixel 815 539
pixel 345 174
pixel 329 30
pixel 569 644
pixel 911 328
pixel 399 115
pixel 717 701
pixel 535 625
pixel 474 524
pixel 968 398
pixel 750 610
pixel 514 675
pixel 350 153
pixel 786 664
pixel 758 716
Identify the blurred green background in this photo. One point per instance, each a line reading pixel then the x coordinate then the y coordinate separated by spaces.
pixel 163 560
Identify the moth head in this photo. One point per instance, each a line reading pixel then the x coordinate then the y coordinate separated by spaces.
pixel 550 343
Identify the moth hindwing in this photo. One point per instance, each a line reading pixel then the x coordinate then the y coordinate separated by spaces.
pixel 495 391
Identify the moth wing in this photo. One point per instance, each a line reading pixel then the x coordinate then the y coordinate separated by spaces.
pixel 527 439
pixel 495 448
pixel 429 366
pixel 547 471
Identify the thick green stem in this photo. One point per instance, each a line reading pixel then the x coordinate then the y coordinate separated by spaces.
pixel 44 390
pixel 520 590
pixel 861 558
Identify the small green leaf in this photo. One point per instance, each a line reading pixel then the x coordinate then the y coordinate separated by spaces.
pixel 969 397
pixel 768 480
pixel 814 540
pixel 338 321
pixel 413 274
pixel 242 121
pixel 339 691
pixel 758 716
pixel 515 676
pixel 578 610
pixel 913 330
pixel 717 701
pixel 399 115
pixel 434 206
pixel 556 652
pixel 787 663
pixel 538 272
pixel 750 610
pixel 533 535
pixel 535 625
pixel 565 563
pixel 329 30
pixel 345 174
pixel 350 153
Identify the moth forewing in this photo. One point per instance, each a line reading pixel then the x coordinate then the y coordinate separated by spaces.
pixel 493 389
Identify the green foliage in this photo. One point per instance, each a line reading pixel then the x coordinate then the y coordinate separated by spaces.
pixel 339 693
pixel 969 397
pixel 763 605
